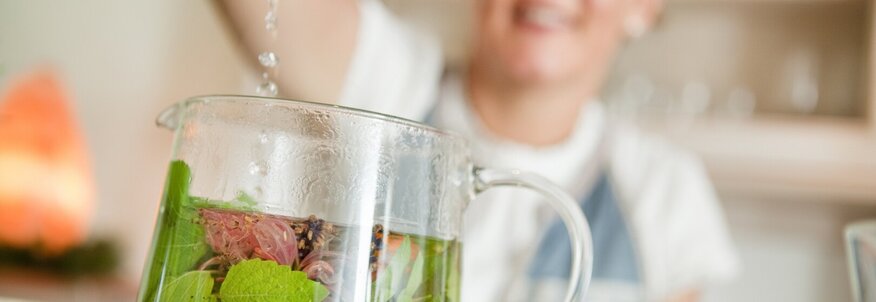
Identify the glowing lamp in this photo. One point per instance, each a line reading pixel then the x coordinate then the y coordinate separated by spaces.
pixel 46 186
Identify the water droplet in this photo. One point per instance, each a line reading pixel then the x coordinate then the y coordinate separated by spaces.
pixel 271 21
pixel 268 59
pixel 268 88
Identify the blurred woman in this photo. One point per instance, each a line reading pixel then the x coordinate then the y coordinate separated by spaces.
pixel 526 99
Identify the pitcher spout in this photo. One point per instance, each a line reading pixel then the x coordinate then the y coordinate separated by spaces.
pixel 169 117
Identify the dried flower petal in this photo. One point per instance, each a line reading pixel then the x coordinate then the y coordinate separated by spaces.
pixel 276 240
pixel 229 233
pixel 321 271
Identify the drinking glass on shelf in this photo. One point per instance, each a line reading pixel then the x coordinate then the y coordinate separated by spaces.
pixel 860 240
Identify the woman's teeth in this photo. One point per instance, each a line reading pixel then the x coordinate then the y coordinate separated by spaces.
pixel 544 17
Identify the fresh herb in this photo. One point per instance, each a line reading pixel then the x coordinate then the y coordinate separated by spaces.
pixel 179 243
pixel 242 202
pixel 381 290
pixel 248 201
pixel 414 281
pixel 193 286
pixel 267 281
pixel 390 280
pixel 398 264
pixel 187 242
pixel 452 285
pixel 432 276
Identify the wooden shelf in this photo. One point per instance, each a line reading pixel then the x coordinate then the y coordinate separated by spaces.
pixel 22 285
pixel 804 158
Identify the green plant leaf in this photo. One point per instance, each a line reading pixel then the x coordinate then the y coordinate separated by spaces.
pixel 190 287
pixel 246 200
pixel 179 240
pixel 384 290
pixel 452 285
pixel 267 281
pixel 186 245
pixel 242 202
pixel 415 280
pixel 390 280
pixel 398 264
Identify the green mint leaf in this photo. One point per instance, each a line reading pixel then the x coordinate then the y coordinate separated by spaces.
pixel 391 278
pixel 414 281
pixel 247 200
pixel 266 281
pixel 242 202
pixel 452 285
pixel 179 240
pixel 190 287
pixel 398 264
pixel 383 291
pixel 186 245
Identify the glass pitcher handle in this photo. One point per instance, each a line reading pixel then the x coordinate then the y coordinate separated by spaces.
pixel 569 211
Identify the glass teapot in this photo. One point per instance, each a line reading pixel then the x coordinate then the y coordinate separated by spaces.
pixel 277 200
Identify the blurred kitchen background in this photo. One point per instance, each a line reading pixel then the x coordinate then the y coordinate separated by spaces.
pixel 777 97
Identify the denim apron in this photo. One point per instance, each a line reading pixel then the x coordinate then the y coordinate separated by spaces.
pixel 614 254
pixel 615 259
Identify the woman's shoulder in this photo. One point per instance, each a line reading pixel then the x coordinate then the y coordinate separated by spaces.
pixel 395 68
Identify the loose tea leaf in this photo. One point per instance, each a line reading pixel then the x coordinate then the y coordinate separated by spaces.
pixel 313 233
pixel 267 281
pixel 190 287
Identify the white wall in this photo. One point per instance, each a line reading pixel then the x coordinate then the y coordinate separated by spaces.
pixel 791 250
pixel 123 61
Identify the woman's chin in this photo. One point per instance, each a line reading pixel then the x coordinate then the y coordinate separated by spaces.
pixel 526 64
pixel 535 73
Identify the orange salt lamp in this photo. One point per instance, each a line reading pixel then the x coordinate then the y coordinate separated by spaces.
pixel 46 188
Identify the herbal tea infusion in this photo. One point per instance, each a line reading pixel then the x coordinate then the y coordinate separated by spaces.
pixel 216 251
